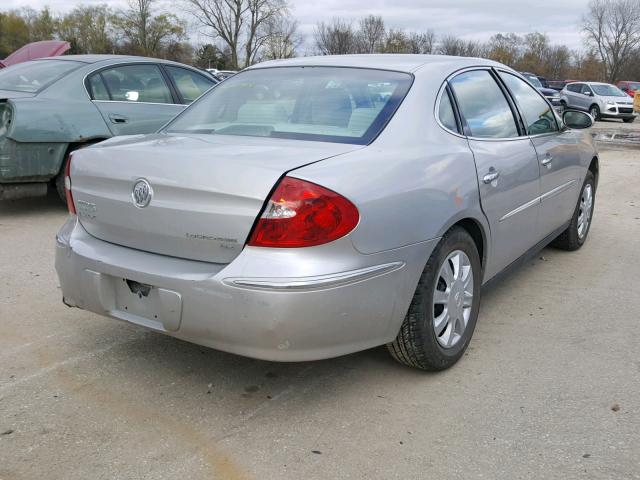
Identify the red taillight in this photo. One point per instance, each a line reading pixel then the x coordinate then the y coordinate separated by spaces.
pixel 303 214
pixel 67 186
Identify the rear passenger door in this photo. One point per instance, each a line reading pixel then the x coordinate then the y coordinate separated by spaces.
pixel 573 95
pixel 506 164
pixel 133 98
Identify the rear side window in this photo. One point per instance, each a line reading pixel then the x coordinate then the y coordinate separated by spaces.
pixel 537 113
pixel 98 89
pixel 483 105
pixel 190 84
pixel 445 113
pixel 134 83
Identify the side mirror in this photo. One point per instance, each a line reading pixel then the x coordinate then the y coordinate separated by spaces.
pixel 132 96
pixel 588 94
pixel 577 120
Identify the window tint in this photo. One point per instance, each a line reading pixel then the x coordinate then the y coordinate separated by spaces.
pixel 574 87
pixel 98 90
pixel 137 83
pixel 537 113
pixel 190 84
pixel 346 105
pixel 585 89
pixel 483 105
pixel 445 113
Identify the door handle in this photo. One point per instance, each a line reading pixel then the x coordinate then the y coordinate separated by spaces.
pixel 118 118
pixel 491 176
pixel 546 161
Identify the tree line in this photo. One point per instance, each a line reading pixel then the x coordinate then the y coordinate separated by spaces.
pixel 243 32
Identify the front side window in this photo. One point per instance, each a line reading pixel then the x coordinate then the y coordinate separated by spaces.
pixel 574 87
pixel 190 84
pixel 483 105
pixel 135 83
pixel 34 76
pixel 331 104
pixel 538 115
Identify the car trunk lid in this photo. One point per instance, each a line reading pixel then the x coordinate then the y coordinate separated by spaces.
pixel 207 189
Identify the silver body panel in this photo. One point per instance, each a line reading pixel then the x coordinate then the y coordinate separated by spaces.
pixel 410 185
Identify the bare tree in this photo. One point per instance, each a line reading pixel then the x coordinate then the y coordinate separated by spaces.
pixel 505 48
pixel 371 34
pixel 260 14
pixel 282 38
pixel 421 42
pixel 335 38
pixel 458 47
pixel 239 24
pixel 145 32
pixel 612 27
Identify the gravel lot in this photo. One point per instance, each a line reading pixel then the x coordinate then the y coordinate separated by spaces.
pixel 549 388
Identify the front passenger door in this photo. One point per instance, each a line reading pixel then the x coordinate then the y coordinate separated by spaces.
pixel 506 165
pixel 557 152
pixel 133 98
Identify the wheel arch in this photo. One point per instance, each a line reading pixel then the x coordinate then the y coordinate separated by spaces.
pixel 594 167
pixel 479 232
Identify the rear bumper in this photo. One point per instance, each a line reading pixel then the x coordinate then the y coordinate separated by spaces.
pixel 272 304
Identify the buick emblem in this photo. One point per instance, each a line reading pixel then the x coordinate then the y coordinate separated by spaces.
pixel 142 193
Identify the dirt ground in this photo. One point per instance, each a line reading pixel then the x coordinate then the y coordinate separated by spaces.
pixel 549 388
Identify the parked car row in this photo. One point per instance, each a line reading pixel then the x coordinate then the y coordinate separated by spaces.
pixel 601 100
pixel 51 107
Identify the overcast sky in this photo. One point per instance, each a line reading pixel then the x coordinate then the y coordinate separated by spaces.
pixel 470 19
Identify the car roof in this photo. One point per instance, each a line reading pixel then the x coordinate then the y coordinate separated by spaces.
pixel 107 58
pixel 399 62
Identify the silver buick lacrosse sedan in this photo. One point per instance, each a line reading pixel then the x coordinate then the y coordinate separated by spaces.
pixel 313 207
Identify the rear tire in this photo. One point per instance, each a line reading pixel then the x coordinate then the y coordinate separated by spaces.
pixel 576 233
pixel 59 180
pixel 418 343
pixel 594 111
pixel 628 120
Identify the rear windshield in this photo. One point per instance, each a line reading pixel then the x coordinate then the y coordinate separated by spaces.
pixel 345 105
pixel 31 77
pixel 608 91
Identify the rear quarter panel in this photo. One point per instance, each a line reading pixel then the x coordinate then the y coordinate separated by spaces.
pixel 412 183
pixel 45 125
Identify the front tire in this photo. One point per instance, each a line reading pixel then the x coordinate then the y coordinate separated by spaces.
pixel 443 313
pixel 628 120
pixel 594 111
pixel 576 233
